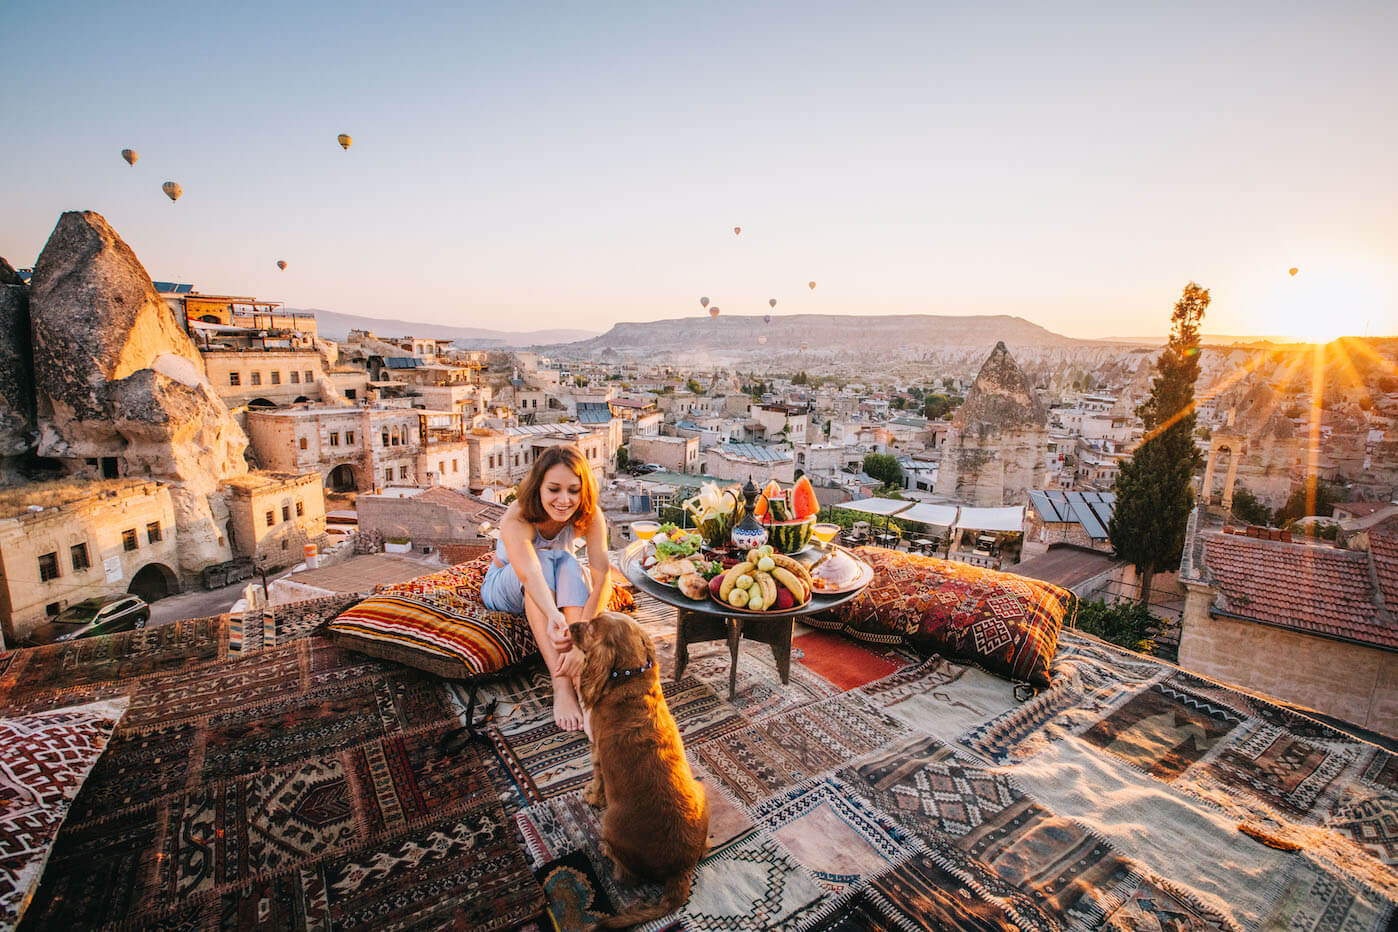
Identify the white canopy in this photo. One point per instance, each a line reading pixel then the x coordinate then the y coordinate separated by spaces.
pixel 923 513
pixel 876 506
pixel 991 519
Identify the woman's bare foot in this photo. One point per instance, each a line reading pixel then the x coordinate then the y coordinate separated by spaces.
pixel 567 713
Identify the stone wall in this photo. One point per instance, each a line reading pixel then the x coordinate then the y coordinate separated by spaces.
pixel 274 516
pixel 1350 681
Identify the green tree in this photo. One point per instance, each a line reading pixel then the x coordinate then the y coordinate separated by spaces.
pixel 883 467
pixel 1154 491
pixel 694 387
pixel 623 459
pixel 1247 508
pixel 1317 497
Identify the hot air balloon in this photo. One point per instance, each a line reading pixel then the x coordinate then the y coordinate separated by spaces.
pixel 172 191
pixel 771 302
pixel 281 264
pixel 811 285
pixel 737 230
pixel 766 318
pixel 345 140
pixel 130 156
pixel 713 311
pixel 1293 272
pixel 703 302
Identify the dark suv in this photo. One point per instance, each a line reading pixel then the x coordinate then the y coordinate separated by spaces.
pixel 92 617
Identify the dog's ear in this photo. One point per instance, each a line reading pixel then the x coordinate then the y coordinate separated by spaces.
pixel 596 671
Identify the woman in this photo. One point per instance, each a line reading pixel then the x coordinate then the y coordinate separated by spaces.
pixel 536 574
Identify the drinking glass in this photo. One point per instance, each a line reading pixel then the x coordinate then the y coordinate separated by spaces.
pixel 824 533
pixel 645 530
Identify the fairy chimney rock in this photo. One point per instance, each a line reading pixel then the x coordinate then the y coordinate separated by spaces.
pixel 995 449
pixel 16 377
pixel 117 376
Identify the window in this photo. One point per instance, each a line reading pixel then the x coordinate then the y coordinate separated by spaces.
pixel 78 553
pixel 109 467
pixel 394 434
pixel 311 377
pixel 128 539
pixel 48 567
pixel 286 512
pixel 349 438
pixel 53 608
pixel 295 377
pixel 256 379
pixel 153 532
pixel 235 379
pixel 334 438
pixel 388 474
pixel 276 377
pixel 350 393
pixel 402 472
pixel 385 436
pixel 301 442
pixel 271 518
pixel 300 509
pixel 454 465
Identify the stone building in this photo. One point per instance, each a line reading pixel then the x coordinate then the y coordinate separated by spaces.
pixel 676 454
pixel 68 540
pixel 994 453
pixel 361 448
pixel 431 519
pixel 272 516
pixel 1058 517
pixel 1309 624
pixel 267 377
pixel 738 461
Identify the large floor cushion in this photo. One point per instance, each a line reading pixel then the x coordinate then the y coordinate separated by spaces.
pixel 437 623
pixel 44 759
pixel 1005 623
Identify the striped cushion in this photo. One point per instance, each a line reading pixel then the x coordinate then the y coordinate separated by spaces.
pixel 459 641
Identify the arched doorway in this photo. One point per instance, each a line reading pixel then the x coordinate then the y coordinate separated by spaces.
pixel 342 479
pixel 153 582
pixel 261 403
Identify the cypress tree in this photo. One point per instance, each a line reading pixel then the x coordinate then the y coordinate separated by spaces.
pixel 1155 490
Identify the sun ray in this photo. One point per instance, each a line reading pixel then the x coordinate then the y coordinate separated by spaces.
pixel 1313 454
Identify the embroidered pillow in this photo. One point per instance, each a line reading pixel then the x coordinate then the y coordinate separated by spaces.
pixel 1005 623
pixel 467 578
pixel 440 632
pixel 44 760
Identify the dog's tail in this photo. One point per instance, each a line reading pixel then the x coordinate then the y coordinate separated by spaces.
pixel 676 893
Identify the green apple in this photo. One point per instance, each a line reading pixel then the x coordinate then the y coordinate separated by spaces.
pixel 743 582
pixel 766 565
pixel 755 599
pixel 738 597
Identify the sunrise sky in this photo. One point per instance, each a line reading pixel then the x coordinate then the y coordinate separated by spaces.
pixel 520 166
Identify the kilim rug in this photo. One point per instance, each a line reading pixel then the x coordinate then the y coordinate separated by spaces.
pixel 842 662
pixel 298 787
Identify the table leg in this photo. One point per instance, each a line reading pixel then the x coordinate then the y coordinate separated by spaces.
pixel 781 652
pixel 735 638
pixel 681 644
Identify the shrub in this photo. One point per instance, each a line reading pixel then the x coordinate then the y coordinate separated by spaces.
pixel 1123 623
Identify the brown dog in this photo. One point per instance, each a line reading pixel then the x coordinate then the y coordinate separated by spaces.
pixel 656 823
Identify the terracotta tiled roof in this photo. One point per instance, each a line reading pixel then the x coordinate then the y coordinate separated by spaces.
pixel 1317 590
pixel 1384 550
pixel 457 501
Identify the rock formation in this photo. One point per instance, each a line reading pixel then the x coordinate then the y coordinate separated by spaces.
pixel 16 378
pixel 996 446
pixel 117 376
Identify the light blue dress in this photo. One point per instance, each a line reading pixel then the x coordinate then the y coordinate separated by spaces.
pixel 503 591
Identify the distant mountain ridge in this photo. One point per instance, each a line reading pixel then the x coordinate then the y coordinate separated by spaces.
pixel 820 333
pixel 336 326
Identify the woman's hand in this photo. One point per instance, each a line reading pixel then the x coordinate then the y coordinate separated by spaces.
pixel 570 664
pixel 558 632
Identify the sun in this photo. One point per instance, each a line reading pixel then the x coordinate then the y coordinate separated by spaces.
pixel 1326 298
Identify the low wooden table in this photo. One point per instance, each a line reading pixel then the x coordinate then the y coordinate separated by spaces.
pixel 698 622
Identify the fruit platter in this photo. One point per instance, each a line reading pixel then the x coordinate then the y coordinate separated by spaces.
pixel 787 515
pixel 766 581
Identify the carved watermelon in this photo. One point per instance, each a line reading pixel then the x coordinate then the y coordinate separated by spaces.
pixel 789 536
pixel 803 499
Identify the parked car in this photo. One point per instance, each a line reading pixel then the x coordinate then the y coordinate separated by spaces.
pixel 641 469
pixel 92 617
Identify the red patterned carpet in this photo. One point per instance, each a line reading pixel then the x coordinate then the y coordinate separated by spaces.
pixel 843 662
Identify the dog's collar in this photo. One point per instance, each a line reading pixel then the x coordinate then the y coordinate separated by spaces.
pixel 649 664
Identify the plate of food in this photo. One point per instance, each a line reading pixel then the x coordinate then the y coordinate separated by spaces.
pixel 837 571
pixel 771 583
pixel 691 577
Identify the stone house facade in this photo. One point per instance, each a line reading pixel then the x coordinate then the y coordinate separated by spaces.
pixel 282 377
pixel 272 516
pixel 88 539
pixel 676 454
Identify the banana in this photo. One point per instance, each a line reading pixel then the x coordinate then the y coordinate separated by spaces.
pixel 769 588
pixel 795 567
pixel 731 577
pixel 792 582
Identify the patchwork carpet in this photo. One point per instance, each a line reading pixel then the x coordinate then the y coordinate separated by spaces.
pixel 286 784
